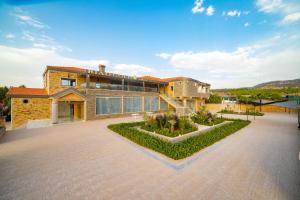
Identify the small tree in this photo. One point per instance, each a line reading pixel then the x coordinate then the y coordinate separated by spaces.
pixel 214 98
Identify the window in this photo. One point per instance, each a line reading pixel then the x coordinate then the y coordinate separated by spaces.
pixel 163 105
pixel 68 82
pixel 172 88
pixel 108 105
pixel 133 104
pixel 151 103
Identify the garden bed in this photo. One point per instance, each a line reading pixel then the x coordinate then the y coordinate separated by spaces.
pixel 179 138
pixel 252 113
pixel 166 132
pixel 181 149
pixel 169 125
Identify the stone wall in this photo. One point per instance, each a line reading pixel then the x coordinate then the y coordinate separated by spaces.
pixel 54 80
pixel 187 88
pixel 36 108
pixel 91 101
pixel 243 107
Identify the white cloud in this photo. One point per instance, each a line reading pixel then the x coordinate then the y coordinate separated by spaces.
pixel 163 55
pixel 288 9
pixel 26 19
pixel 26 65
pixel 10 36
pixel 210 10
pixel 294 17
pixel 198 7
pixel 234 13
pixel 131 69
pixel 245 66
pixel 44 41
pixel 247 24
pixel 269 6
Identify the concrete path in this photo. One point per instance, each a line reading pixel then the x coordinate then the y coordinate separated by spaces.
pixel 85 160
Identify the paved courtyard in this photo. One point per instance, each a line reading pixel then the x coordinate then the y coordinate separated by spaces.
pixel 85 160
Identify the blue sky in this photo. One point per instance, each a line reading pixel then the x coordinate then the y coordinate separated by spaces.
pixel 226 43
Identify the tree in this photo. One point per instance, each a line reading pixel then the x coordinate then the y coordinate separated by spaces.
pixel 214 98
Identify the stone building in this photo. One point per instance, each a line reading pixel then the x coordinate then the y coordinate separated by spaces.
pixel 72 93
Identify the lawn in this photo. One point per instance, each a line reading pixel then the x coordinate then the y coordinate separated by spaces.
pixel 178 150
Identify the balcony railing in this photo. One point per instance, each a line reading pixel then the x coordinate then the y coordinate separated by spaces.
pixel 107 86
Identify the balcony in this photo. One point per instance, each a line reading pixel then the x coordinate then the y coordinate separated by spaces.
pixel 107 86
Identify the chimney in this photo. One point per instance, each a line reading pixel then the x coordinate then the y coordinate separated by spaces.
pixel 101 68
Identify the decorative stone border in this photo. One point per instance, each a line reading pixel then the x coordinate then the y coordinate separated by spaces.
pixel 185 136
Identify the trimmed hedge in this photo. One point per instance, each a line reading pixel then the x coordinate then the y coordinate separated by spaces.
pixel 167 132
pixel 241 113
pixel 181 149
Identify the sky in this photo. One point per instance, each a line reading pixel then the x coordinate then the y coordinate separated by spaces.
pixel 226 43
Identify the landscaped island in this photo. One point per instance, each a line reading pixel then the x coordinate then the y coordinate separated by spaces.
pixel 174 126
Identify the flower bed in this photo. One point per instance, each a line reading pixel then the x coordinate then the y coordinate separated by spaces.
pixel 168 125
pixel 181 149
pixel 203 117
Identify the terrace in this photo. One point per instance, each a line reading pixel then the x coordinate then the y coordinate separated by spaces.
pixel 111 81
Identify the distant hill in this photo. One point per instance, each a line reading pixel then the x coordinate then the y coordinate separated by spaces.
pixel 279 84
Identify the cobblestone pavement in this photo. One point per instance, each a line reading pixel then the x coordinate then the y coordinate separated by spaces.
pixel 85 160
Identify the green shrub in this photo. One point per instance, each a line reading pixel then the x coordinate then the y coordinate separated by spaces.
pixel 181 149
pixel 168 124
pixel 204 117
pixel 214 98
pixel 248 112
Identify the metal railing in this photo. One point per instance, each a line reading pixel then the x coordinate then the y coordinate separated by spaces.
pixel 108 86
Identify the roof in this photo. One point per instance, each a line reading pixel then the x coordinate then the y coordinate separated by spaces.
pixel 37 92
pixel 151 78
pixel 178 78
pixel 287 104
pixel 66 68
pixel 171 79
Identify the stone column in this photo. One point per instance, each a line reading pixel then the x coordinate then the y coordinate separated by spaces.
pixel 87 81
pixel 184 102
pixel 54 111
pixel 143 103
pixel 144 86
pixel 159 103
pixel 84 111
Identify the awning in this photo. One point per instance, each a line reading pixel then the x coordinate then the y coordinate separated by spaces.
pixel 287 104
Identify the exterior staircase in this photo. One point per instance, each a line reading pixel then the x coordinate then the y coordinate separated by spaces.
pixel 179 107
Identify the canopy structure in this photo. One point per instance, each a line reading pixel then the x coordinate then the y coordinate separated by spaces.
pixel 287 104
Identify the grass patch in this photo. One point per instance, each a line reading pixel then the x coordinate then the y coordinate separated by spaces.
pixel 181 149
pixel 252 113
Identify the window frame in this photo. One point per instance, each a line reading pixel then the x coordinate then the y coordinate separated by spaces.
pixel 104 97
pixel 68 79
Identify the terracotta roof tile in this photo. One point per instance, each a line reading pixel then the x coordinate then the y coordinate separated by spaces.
pixel 16 91
pixel 75 69
pixel 178 78
pixel 151 78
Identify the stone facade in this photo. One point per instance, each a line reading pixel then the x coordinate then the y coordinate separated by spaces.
pixel 52 78
pixel 35 108
pixel 43 103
